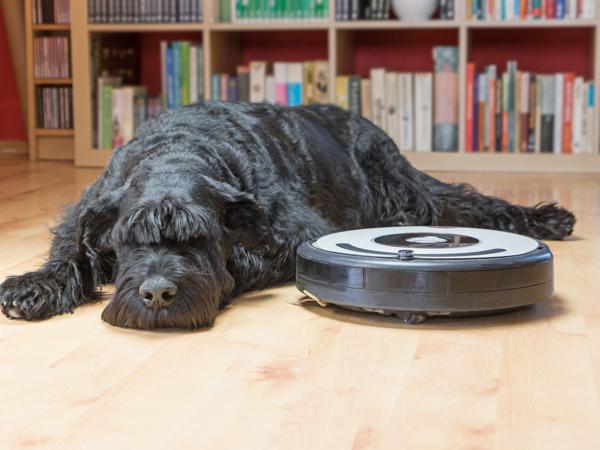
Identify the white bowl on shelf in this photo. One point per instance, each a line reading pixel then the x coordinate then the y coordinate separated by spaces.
pixel 414 10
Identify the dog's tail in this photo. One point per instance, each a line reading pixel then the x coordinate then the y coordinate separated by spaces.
pixel 462 205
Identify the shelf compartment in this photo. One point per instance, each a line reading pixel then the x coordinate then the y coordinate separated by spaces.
pixel 230 49
pixel 401 50
pixel 542 50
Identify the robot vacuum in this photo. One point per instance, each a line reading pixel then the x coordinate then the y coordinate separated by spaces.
pixel 420 272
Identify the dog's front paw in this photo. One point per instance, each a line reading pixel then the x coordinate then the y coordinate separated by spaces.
pixel 35 295
pixel 553 222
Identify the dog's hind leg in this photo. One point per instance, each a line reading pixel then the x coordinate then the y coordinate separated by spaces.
pixel 68 279
pixel 462 205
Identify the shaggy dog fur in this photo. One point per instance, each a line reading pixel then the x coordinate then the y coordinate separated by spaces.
pixel 212 200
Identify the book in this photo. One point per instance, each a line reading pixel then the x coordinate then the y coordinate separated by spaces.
pixel 366 101
pixel 270 89
pixel 589 117
pixel 341 91
pixel 378 97
pixel 104 106
pixel 123 113
pixel 391 105
pixel 294 73
pixel 445 99
pixel 321 77
pixel 548 105
pixel 524 112
pixel 559 81
pixel 308 82
pixel 280 74
pixel 354 94
pixel 406 111
pixel 470 89
pixel 243 77
pixel 423 111
pixel 258 71
pixel 579 104
pixel 143 11
pixel 567 122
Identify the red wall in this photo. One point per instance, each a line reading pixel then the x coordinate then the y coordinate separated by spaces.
pixel 12 127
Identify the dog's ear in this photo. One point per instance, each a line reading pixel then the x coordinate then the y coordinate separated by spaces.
pixel 246 222
pixel 243 219
pixel 97 219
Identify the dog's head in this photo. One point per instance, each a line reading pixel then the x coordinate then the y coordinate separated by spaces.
pixel 171 243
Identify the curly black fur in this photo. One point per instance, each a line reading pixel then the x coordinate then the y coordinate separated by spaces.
pixel 217 197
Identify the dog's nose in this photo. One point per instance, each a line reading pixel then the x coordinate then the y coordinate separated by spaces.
pixel 158 292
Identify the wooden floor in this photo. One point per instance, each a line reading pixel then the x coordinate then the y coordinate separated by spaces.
pixel 272 374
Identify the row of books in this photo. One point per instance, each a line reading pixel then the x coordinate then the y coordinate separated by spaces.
pixel 50 11
pixel 419 111
pixel 256 10
pixel 524 112
pixel 531 9
pixel 362 9
pixel 289 84
pixel 144 11
pixel 380 9
pixel 120 110
pixel 182 73
pixel 51 57
pixel 54 107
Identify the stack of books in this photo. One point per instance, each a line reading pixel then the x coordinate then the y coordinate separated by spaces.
pixel 182 73
pixel 244 10
pixel 419 111
pixel 288 84
pixel 362 10
pixel 53 106
pixel 50 11
pixel 121 107
pixel 51 57
pixel 380 9
pixel 148 11
pixel 531 9
pixel 524 112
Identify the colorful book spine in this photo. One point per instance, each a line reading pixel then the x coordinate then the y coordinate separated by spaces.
pixel 469 110
pixel 280 74
pixel 294 84
pixel 446 99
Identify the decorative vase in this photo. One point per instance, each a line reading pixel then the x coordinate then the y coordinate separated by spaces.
pixel 414 10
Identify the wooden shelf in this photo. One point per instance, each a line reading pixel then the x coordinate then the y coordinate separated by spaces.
pixel 143 27
pixel 271 25
pixel 51 27
pixel 504 162
pixel 44 81
pixel 530 23
pixel 54 132
pixel 394 24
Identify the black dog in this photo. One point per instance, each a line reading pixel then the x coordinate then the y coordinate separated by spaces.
pixel 212 200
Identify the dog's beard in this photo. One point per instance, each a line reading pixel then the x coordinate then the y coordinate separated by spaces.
pixel 200 289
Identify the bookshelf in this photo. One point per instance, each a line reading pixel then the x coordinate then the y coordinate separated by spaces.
pixel 44 143
pixel 349 46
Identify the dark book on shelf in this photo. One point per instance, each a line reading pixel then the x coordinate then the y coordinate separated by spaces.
pixel 144 11
pixel 354 94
